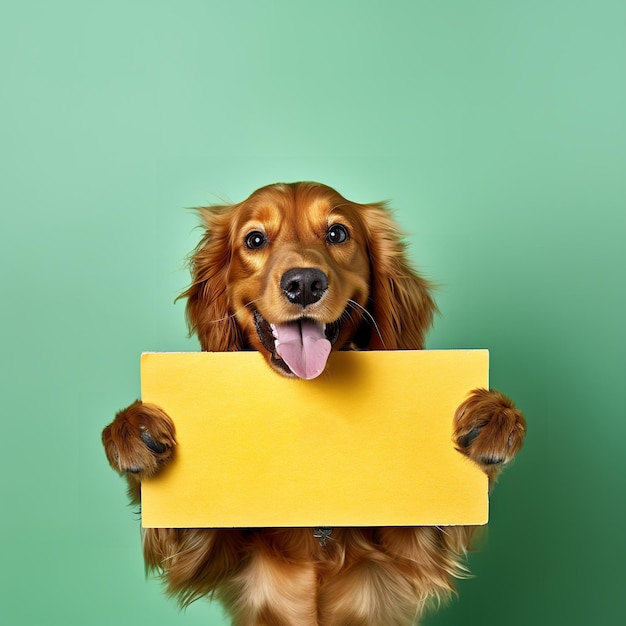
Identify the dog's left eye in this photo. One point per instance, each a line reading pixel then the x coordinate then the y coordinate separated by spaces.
pixel 256 240
pixel 337 233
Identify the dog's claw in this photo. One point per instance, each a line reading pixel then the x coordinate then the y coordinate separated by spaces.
pixel 152 444
pixel 466 440
pixel 492 460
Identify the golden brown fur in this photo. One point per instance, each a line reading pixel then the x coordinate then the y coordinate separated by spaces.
pixel 359 288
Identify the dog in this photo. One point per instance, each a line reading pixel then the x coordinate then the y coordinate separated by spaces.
pixel 296 272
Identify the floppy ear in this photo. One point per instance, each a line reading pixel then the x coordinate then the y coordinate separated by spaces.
pixel 208 309
pixel 400 299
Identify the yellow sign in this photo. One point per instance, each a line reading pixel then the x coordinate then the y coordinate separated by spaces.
pixel 368 443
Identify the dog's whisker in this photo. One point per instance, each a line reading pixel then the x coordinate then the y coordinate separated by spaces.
pixel 369 317
pixel 338 206
pixel 232 315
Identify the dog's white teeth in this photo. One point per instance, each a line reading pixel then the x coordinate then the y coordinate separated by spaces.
pixel 275 335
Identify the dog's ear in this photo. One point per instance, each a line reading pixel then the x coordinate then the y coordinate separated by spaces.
pixel 208 309
pixel 400 299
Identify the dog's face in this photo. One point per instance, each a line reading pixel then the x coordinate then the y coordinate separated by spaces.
pixel 299 275
pixel 297 271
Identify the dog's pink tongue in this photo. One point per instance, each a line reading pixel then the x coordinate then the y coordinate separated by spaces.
pixel 303 346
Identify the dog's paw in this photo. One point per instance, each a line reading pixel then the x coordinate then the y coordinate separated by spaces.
pixel 489 429
pixel 140 440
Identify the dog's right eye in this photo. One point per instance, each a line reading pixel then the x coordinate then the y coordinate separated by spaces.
pixel 256 240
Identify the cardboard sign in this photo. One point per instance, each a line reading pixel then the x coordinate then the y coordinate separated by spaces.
pixel 368 443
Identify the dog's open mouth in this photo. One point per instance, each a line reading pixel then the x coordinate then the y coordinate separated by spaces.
pixel 300 347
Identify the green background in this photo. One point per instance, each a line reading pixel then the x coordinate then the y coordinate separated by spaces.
pixel 496 129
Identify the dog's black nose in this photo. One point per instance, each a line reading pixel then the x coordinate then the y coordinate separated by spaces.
pixel 304 285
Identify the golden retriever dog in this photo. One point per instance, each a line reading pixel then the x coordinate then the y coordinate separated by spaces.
pixel 297 272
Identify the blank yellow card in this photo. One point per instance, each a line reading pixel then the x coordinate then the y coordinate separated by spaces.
pixel 368 443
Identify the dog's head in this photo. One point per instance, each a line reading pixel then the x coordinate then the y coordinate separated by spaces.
pixel 297 271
